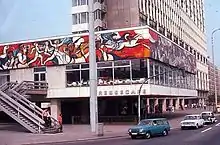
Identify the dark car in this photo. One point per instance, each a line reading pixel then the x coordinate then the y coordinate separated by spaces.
pixel 208 117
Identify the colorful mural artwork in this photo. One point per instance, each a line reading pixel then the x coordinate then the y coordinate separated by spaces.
pixel 118 45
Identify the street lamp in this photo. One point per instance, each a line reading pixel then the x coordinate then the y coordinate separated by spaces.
pixel 213 61
pixel 92 72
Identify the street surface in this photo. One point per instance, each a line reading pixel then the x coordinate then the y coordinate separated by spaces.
pixel 208 135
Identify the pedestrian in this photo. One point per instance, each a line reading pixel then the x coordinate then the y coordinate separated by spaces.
pixel 60 120
pixel 45 116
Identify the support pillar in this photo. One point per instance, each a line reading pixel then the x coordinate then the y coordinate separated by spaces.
pixel 170 102
pixel 183 103
pixel 55 108
pixel 177 104
pixel 147 105
pixel 164 106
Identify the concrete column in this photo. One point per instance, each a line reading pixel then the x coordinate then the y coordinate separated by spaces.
pixel 147 105
pixel 177 105
pixel 156 102
pixel 171 102
pixel 183 103
pixel 55 108
pixel 164 106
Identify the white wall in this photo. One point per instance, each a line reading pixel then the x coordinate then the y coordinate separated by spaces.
pixel 22 75
pixel 56 77
pixel 120 90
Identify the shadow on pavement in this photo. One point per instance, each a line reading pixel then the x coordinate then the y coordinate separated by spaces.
pixel 13 127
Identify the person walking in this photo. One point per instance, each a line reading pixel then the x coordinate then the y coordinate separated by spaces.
pixel 60 120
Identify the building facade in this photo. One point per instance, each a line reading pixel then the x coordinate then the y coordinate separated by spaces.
pixel 212 79
pixel 182 21
pixel 148 38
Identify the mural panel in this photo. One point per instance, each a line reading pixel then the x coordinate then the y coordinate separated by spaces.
pixel 141 43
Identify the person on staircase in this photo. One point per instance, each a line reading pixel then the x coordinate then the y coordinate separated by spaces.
pixel 46 117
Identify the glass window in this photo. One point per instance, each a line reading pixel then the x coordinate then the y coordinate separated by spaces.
pixel 84 17
pixel 84 2
pixel 151 72
pixel 74 66
pixel 122 63
pixel 98 14
pixel 73 78
pixel 166 76
pixel 137 73
pixel 84 77
pixel 170 78
pixel 84 65
pixel 156 74
pixel 162 75
pixel 105 76
pixel 74 19
pixel 121 74
pixel 104 64
pixel 74 3
pixel 40 69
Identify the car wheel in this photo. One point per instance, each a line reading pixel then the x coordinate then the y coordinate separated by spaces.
pixel 148 135
pixel 182 127
pixel 165 132
pixel 133 137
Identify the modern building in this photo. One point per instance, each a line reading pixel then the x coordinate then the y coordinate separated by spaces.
pixel 182 21
pixel 212 79
pixel 148 38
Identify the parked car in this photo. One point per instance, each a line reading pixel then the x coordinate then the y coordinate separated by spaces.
pixel 194 121
pixel 150 127
pixel 208 117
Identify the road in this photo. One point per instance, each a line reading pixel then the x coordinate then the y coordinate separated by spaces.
pixel 209 134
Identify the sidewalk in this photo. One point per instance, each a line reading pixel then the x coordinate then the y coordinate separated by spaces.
pixel 79 132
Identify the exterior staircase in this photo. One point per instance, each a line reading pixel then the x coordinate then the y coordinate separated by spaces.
pixel 15 103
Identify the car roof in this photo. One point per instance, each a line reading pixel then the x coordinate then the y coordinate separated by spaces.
pixel 194 115
pixel 207 112
pixel 152 119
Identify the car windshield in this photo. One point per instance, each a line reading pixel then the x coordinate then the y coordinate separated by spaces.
pixel 190 118
pixel 144 122
pixel 205 114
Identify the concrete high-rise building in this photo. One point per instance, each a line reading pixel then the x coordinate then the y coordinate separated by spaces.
pixel 182 21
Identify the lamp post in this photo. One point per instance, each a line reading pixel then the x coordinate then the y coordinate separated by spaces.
pixel 92 71
pixel 213 61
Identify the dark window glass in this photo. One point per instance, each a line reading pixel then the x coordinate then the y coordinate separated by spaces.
pixel 121 63
pixel 84 77
pixel 121 75
pixel 105 76
pixel 156 74
pixel 73 78
pixel 151 72
pixel 74 66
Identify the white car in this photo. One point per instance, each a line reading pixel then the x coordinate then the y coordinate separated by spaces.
pixel 194 121
pixel 208 117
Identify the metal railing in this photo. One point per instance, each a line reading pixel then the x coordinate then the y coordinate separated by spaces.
pixel 21 110
pixel 30 85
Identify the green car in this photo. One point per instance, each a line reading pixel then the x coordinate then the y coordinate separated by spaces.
pixel 150 127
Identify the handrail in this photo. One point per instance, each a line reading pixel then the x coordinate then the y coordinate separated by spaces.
pixel 28 103
pixel 24 111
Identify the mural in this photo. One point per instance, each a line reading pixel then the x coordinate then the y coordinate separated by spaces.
pixel 141 43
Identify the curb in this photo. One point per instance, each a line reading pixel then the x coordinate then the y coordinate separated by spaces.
pixel 78 140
